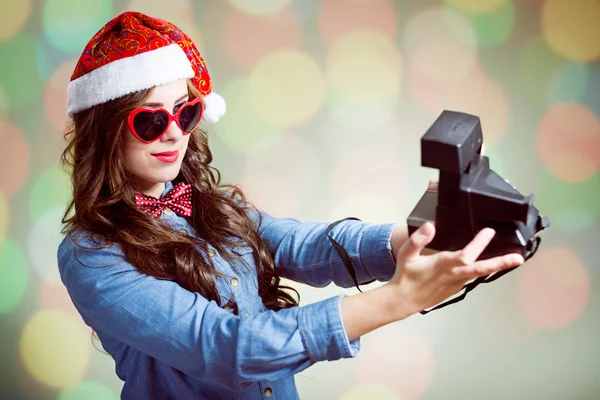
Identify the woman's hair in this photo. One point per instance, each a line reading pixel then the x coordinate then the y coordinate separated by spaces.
pixel 103 206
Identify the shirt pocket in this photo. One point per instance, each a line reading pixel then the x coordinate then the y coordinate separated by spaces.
pixel 247 268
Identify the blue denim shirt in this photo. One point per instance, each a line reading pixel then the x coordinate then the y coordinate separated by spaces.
pixel 170 343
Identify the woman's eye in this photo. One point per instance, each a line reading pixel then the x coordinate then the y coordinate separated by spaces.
pixel 177 107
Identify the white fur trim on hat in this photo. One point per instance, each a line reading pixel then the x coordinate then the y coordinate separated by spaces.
pixel 128 75
pixel 214 108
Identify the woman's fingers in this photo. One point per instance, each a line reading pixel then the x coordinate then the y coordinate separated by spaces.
pixel 417 241
pixel 472 251
pixel 486 267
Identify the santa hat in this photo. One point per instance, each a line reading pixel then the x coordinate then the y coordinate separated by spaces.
pixel 133 52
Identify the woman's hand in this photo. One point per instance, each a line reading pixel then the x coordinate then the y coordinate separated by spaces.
pixel 422 281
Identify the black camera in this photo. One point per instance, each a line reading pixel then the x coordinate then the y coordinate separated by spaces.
pixel 470 196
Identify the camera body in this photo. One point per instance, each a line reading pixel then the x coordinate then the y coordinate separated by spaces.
pixel 469 195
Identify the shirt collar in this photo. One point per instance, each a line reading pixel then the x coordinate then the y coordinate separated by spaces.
pixel 168 187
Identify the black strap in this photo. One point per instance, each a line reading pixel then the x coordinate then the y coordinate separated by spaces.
pixel 484 279
pixel 467 288
pixel 342 252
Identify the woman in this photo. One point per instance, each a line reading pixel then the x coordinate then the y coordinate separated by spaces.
pixel 178 275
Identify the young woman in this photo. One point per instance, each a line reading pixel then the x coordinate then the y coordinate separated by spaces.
pixel 179 275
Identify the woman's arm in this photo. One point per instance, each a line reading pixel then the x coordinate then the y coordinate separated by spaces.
pixel 190 333
pixel 303 252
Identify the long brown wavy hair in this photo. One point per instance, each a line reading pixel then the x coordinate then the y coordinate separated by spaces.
pixel 103 206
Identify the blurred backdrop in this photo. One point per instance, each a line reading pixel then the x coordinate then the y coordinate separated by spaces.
pixel 327 101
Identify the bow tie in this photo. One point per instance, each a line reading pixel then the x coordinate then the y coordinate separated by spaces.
pixel 179 199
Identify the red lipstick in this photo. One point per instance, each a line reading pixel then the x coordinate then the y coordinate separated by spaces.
pixel 167 156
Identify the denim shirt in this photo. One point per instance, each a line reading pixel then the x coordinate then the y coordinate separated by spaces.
pixel 170 343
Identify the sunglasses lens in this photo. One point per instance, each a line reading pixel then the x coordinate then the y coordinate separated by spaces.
pixel 150 125
pixel 189 117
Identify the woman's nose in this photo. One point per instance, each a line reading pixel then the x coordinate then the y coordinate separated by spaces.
pixel 173 132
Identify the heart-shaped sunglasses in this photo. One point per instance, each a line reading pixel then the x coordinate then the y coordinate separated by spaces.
pixel 149 124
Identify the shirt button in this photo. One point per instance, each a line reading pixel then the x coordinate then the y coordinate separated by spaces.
pixel 183 232
pixel 246 314
pixel 168 211
pixel 268 392
pixel 210 253
pixel 234 282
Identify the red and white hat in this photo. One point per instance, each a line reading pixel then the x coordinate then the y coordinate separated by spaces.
pixel 133 52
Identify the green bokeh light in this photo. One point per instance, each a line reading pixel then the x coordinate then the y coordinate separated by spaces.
pixel 241 129
pixel 51 189
pixel 88 390
pixel 572 206
pixel 14 274
pixel 538 66
pixel 493 27
pixel 69 24
pixel 568 83
pixel 19 76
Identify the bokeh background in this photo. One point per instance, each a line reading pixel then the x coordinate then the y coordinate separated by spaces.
pixel 327 102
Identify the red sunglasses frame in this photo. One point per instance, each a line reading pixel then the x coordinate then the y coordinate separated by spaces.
pixel 171 117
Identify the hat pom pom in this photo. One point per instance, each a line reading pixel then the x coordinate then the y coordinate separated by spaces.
pixel 214 108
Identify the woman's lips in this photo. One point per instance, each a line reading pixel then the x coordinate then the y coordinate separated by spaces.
pixel 167 156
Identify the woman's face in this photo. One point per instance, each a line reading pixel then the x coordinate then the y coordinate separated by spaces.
pixel 151 165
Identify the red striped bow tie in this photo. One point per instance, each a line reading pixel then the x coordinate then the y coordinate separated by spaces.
pixel 179 199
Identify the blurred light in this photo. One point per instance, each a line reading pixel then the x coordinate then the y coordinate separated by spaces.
pixel 55 348
pixel 337 18
pixel 87 390
pixel 557 197
pixel 274 195
pixel 20 78
pixel 554 288
pixel 477 6
pixel 476 94
pixel 572 28
pixel 241 129
pixel 14 159
pixel 365 65
pixel 307 9
pixel 542 73
pixel 13 17
pixel 371 391
pixel 492 27
pixel 70 24
pixel 568 83
pixel 4 216
pixel 573 219
pixel 260 7
pixel 368 207
pixel 55 96
pixel 363 114
pixel 289 168
pixel 404 362
pixel 50 190
pixel 3 107
pixel 369 177
pixel 592 95
pixel 441 45
pixel 286 88
pixel 54 295
pixel 14 275
pixel 168 10
pixel 44 238
pixel 249 38
pixel 569 142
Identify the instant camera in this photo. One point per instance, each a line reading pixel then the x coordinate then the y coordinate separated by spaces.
pixel 469 196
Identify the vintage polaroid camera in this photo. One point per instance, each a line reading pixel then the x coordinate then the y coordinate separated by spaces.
pixel 470 197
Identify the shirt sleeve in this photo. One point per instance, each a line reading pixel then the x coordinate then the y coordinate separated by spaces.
pixel 190 333
pixel 303 253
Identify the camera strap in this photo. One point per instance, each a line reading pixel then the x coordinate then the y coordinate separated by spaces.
pixel 467 288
